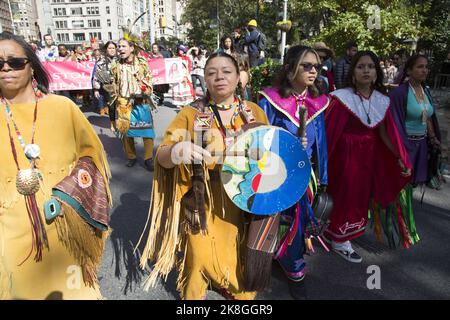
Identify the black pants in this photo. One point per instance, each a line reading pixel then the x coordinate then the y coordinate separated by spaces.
pixel 202 82
pixel 254 59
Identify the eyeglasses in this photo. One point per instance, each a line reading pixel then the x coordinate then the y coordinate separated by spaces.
pixel 308 66
pixel 15 63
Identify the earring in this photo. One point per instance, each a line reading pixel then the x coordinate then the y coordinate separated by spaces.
pixel 35 86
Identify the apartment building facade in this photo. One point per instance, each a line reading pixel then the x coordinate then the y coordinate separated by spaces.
pixel 24 13
pixel 77 21
pixel 6 23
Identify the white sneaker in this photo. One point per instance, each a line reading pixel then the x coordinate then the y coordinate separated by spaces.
pixel 345 250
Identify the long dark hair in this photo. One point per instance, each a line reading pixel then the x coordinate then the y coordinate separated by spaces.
pixel 222 43
pixel 105 47
pixel 286 75
pixel 218 54
pixel 410 63
pixel 40 74
pixel 378 85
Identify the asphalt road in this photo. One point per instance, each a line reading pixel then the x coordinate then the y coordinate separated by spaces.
pixel 422 272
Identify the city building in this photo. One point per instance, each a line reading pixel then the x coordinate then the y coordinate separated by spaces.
pixel 77 21
pixel 167 19
pixel 6 23
pixel 24 13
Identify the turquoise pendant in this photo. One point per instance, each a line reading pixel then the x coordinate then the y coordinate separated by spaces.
pixel 52 209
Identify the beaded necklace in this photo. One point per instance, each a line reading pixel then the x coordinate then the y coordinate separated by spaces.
pixel 28 181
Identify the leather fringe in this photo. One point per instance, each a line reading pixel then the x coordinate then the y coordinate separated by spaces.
pixel 84 242
pixel 163 223
pixel 258 270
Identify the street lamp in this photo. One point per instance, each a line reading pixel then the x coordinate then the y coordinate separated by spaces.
pixel 283 33
pixel 152 22
pixel 218 26
pixel 13 25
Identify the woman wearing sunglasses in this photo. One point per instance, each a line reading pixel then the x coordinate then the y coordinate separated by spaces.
pixel 368 163
pixel 49 152
pixel 295 89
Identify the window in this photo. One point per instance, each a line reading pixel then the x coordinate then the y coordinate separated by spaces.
pixel 96 35
pixel 77 24
pixel 94 23
pixel 58 1
pixel 109 35
pixel 62 37
pixel 59 12
pixel 107 10
pixel 61 24
pixel 108 22
pixel 76 11
pixel 79 37
pixel 93 11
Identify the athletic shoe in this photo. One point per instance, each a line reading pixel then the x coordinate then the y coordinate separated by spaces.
pixel 346 251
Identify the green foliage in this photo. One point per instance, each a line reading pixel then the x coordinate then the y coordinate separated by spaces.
pixel 342 21
pixel 262 76
pixel 333 21
pixel 201 16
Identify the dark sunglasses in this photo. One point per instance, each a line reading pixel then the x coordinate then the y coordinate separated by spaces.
pixel 15 63
pixel 308 66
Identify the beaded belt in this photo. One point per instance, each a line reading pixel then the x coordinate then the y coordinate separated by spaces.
pixel 412 137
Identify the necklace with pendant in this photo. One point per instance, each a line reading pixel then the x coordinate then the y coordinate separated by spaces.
pixel 300 101
pixel 214 108
pixel 421 102
pixel 366 112
pixel 28 181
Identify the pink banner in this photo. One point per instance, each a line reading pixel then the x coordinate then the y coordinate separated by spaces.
pixel 71 75
pixel 166 70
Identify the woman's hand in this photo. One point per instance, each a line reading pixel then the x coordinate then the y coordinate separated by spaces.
pixel 406 172
pixel 187 152
pixel 435 143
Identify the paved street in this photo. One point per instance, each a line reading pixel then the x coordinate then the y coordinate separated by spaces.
pixel 423 272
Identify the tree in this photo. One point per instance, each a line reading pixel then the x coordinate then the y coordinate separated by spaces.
pixel 201 17
pixel 379 25
pixel 438 41
pixel 333 21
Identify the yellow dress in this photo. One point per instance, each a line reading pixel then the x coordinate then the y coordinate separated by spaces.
pixel 215 258
pixel 64 135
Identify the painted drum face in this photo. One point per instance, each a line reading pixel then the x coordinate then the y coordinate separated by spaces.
pixel 267 170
